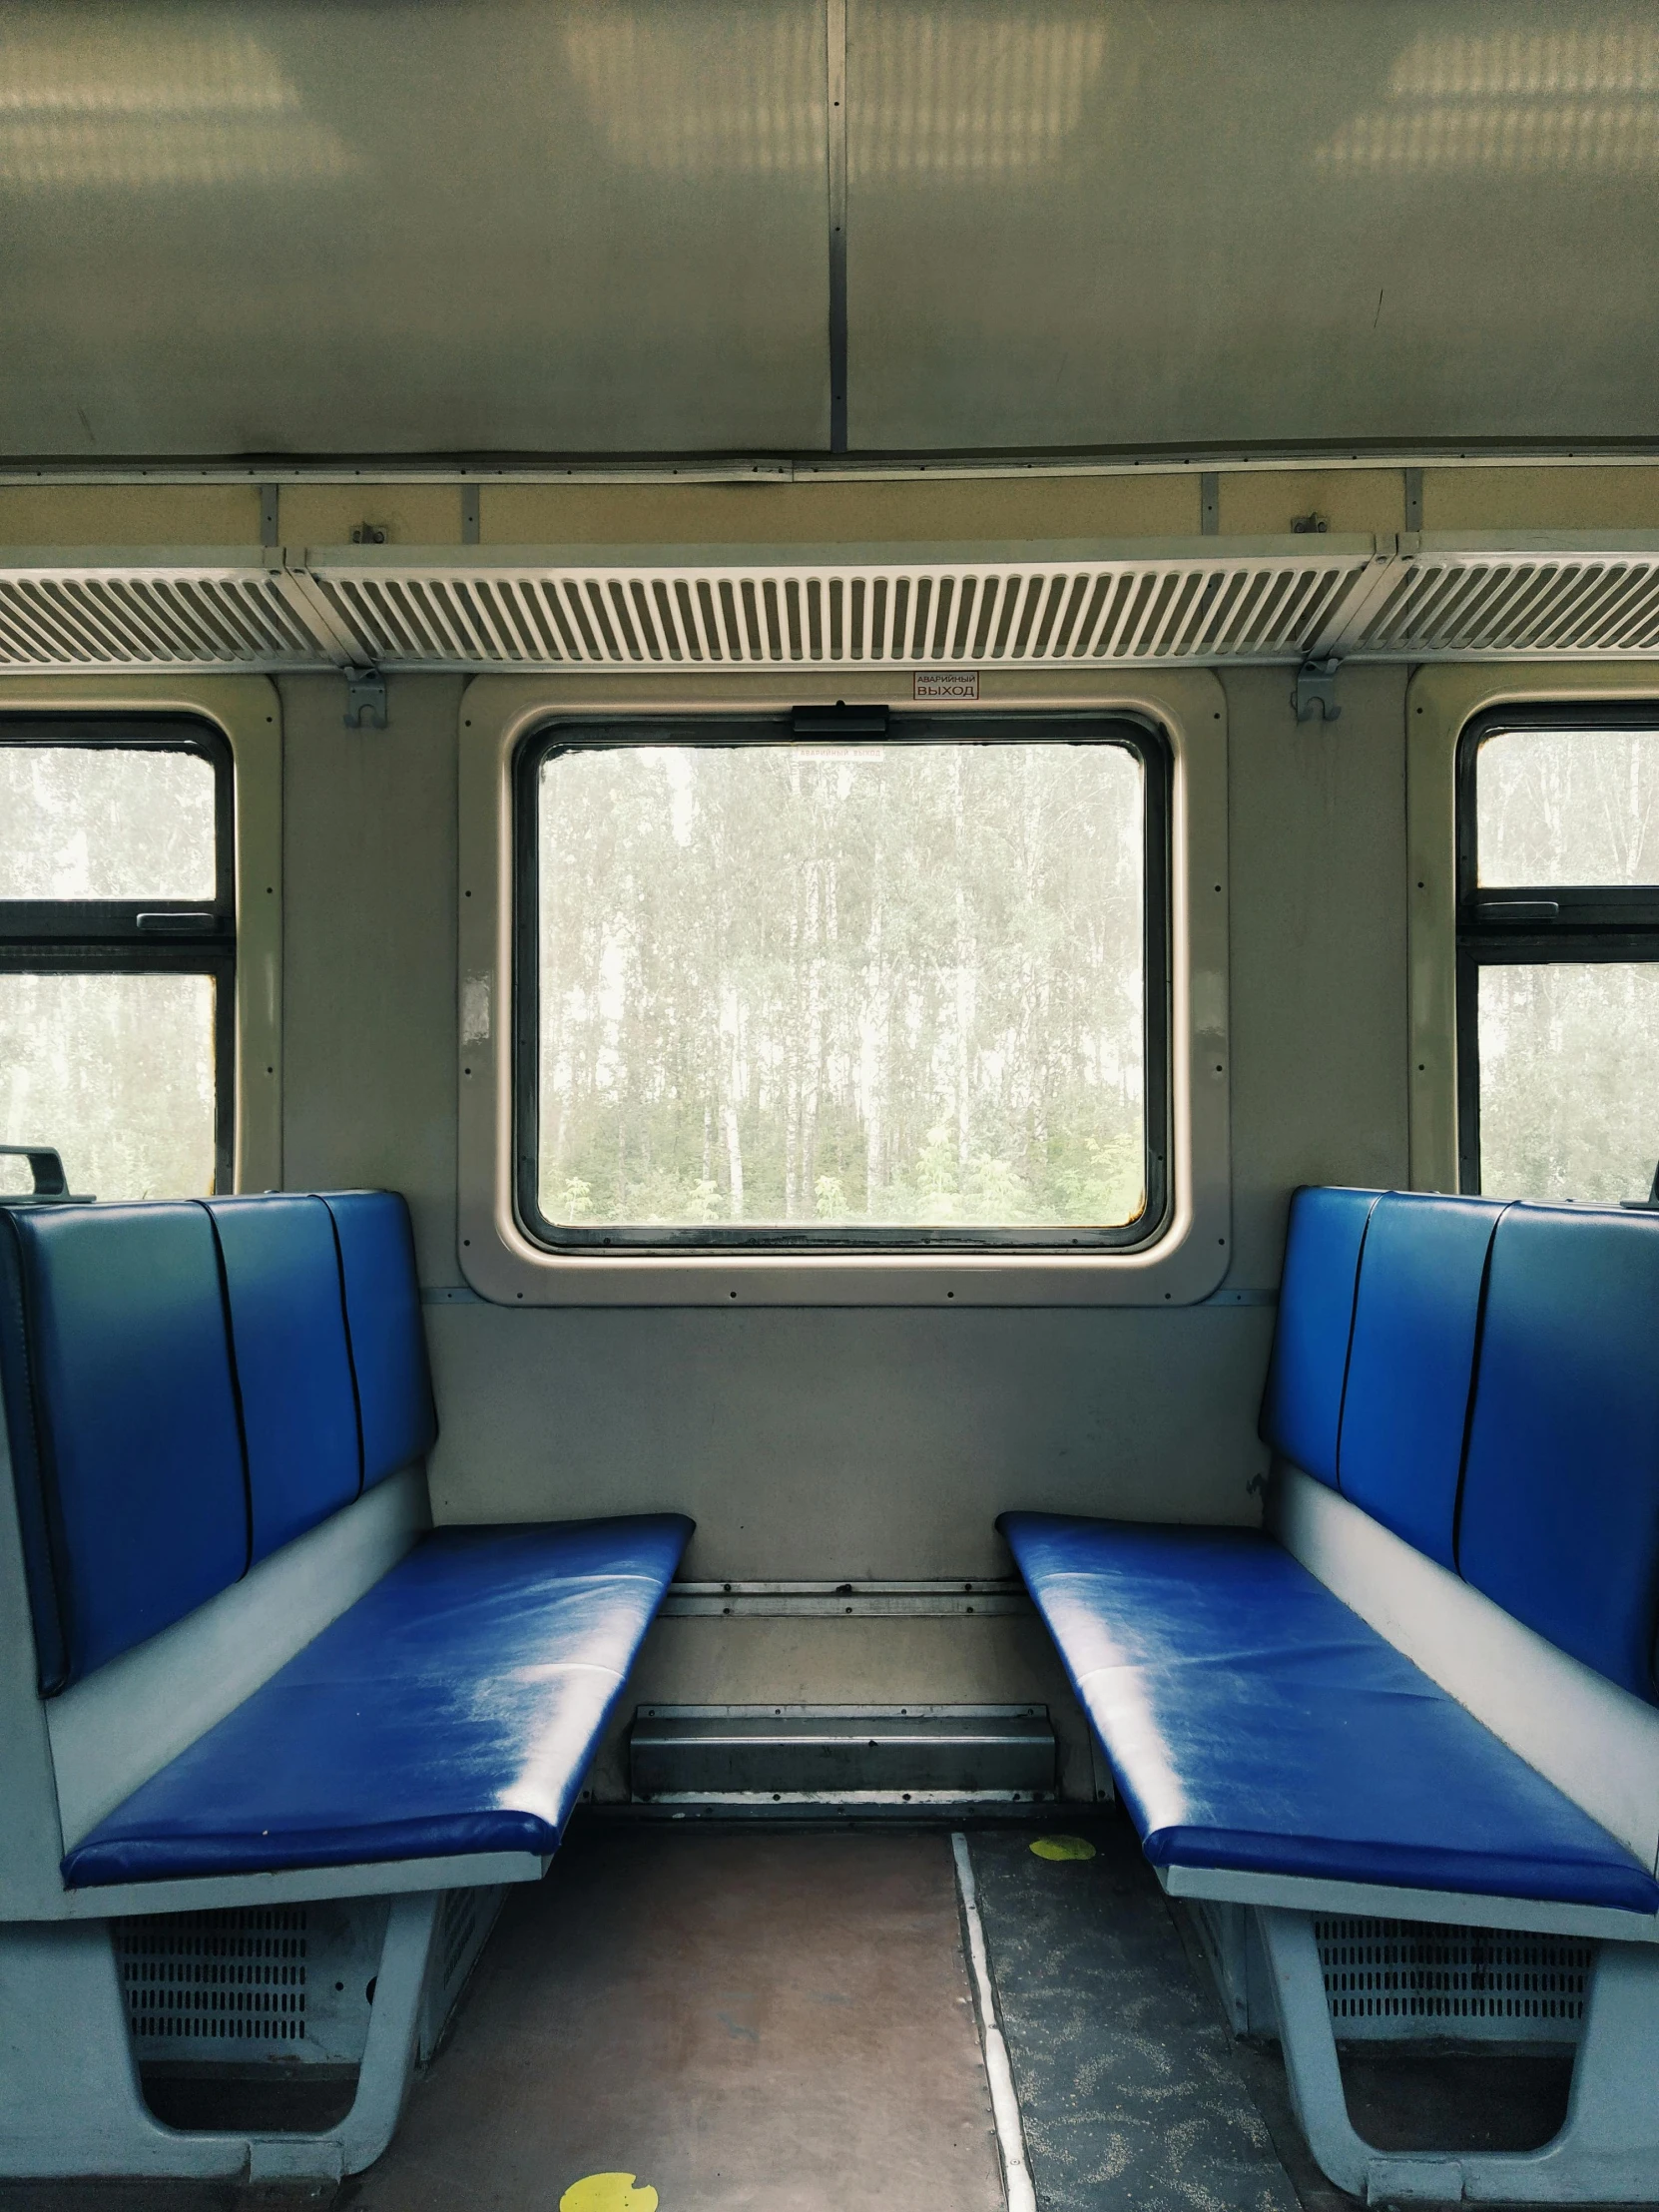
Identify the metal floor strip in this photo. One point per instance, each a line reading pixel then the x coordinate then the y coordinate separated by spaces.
pixel 1011 2134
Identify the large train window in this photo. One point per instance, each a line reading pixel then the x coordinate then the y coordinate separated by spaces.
pixel 802 991
pixel 1558 954
pixel 117 952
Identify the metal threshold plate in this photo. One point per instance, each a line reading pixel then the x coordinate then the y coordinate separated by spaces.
pixel 829 1754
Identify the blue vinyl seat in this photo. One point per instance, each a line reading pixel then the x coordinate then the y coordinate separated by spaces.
pixel 455 1709
pixel 1480 1380
pixel 190 1388
pixel 1463 1404
pixel 1252 1721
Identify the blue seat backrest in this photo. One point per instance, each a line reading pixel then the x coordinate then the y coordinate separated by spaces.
pixel 1559 1520
pixel 1302 1411
pixel 388 1344
pixel 292 1366
pixel 122 1420
pixel 1411 1365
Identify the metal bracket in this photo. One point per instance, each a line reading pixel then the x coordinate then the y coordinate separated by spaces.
pixel 1316 690
pixel 366 698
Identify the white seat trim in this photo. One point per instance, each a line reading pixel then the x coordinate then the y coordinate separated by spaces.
pixel 117 1727
pixel 1375 1901
pixel 1598 1744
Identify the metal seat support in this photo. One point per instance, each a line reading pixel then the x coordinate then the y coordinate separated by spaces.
pixel 70 2099
pixel 1607 2151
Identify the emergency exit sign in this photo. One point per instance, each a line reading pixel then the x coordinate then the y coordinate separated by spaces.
pixel 947 683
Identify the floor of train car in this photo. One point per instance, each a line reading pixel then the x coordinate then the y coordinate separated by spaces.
pixel 780 2019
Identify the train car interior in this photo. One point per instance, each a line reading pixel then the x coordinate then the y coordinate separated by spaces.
pixel 829 1105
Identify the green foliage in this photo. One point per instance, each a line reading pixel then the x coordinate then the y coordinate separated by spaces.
pixel 887 984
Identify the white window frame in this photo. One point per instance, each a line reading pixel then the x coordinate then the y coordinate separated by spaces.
pixel 1183 1265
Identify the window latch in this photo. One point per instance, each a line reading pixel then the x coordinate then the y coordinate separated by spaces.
pixel 839 721
pixel 1519 909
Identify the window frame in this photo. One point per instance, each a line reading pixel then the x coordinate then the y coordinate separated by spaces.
pixel 72 936
pixel 1138 734
pixel 1602 923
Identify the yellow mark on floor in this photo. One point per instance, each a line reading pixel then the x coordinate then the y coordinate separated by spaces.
pixel 607 2193
pixel 1063 1847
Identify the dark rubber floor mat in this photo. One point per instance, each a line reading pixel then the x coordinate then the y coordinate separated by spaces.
pixel 1127 2086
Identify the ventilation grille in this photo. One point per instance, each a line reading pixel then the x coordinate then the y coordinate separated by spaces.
pixel 459 1929
pixel 199 1979
pixel 1177 602
pixel 1446 604
pixel 1384 1977
pixel 1042 614
pixel 158 617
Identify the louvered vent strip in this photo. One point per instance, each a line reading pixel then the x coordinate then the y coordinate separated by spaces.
pixel 52 633
pixel 1518 610
pixel 136 618
pixel 414 615
pixel 38 635
pixel 528 614
pixel 1622 616
pixel 72 629
pixel 1605 620
pixel 1401 613
pixel 80 614
pixel 258 617
pixel 241 616
pixel 207 616
pixel 1640 625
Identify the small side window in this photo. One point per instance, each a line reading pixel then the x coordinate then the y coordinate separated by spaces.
pixel 117 954
pixel 1558 955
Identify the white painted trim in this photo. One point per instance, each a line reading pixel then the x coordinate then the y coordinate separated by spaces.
pixel 1181 1267
pixel 249 711
pixel 373 471
pixel 1440 704
pixel 293 1886
pixel 1368 1901
pixel 119 1726
pixel 1010 2129
pixel 1598 1744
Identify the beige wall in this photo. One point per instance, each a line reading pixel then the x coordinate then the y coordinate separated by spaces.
pixel 830 1444
pixel 846 1443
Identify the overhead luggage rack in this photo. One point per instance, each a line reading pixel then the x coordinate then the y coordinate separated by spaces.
pixel 1067 605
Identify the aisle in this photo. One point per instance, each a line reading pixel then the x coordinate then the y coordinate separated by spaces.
pixel 740 2018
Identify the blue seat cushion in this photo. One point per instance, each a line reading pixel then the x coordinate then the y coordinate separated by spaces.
pixel 1561 1512
pixel 1411 1365
pixel 388 1346
pixel 123 1425
pixel 293 1370
pixel 1302 1405
pixel 452 1710
pixel 1255 1723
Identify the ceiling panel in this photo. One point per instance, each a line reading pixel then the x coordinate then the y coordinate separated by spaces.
pixel 1184 222
pixel 405 226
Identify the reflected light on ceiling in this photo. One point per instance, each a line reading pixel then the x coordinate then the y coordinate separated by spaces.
pixel 950 93
pixel 156 108
pixel 664 102
pixel 933 93
pixel 1556 103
